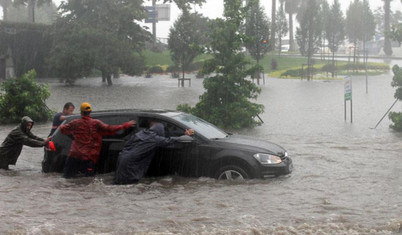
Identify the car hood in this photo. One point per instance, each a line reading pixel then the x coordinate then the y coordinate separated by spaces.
pixel 252 145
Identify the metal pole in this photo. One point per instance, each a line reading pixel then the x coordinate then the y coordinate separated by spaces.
pixel 366 59
pixel 351 111
pixel 345 108
pixel 154 22
pixel 396 100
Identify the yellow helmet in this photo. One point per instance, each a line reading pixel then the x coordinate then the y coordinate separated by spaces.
pixel 86 107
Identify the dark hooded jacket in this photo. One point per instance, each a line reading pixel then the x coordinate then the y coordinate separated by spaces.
pixel 138 152
pixel 11 148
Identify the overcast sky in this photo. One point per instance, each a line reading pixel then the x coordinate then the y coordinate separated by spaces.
pixel 214 8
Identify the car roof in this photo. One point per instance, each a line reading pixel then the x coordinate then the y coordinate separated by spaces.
pixel 163 112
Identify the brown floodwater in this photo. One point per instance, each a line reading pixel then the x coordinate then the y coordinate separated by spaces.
pixel 347 176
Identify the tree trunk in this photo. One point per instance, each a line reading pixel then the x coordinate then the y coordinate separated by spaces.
pixel 387 41
pixel 354 51
pixel 280 46
pixel 31 10
pixel 103 76
pixel 258 72
pixel 291 37
pixel 109 79
pixel 310 50
pixel 116 74
pixel 273 28
pixel 333 64
pixel 182 80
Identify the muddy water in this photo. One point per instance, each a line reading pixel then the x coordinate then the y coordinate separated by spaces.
pixel 347 177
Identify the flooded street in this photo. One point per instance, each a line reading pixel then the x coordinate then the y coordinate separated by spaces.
pixel 347 176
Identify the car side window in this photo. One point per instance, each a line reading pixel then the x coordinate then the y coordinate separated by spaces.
pixel 118 120
pixel 171 130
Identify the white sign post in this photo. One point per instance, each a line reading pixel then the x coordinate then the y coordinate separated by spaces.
pixel 156 13
pixel 348 95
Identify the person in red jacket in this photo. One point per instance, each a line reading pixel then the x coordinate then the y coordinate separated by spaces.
pixel 87 143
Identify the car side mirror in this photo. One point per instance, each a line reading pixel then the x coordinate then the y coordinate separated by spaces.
pixel 185 139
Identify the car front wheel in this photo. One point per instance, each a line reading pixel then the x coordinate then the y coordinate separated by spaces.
pixel 231 173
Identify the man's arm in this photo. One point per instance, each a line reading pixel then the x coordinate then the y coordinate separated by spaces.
pixel 31 142
pixel 162 141
pixel 67 129
pixel 112 129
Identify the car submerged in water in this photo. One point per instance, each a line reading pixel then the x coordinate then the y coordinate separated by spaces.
pixel 210 152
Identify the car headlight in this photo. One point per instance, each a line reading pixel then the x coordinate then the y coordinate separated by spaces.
pixel 267 159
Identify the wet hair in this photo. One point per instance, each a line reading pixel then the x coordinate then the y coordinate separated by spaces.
pixel 68 105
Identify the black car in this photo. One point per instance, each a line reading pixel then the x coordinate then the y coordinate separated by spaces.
pixel 210 152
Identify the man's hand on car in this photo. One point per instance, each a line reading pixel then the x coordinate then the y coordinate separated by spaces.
pixel 189 132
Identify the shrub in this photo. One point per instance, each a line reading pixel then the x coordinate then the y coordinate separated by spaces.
pixel 292 73
pixel 155 69
pixel 195 66
pixel 184 108
pixel 24 97
pixel 329 68
pixel 396 118
pixel 172 68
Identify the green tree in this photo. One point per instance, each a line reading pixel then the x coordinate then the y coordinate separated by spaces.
pixel 226 101
pixel 396 33
pixel 335 29
pixel 185 5
pixel 22 96
pixel 309 33
pixel 387 27
pixel 396 17
pixel 379 16
pixel 360 25
pixel 323 16
pixel 257 25
pixel 396 117
pixel 186 38
pixel 98 34
pixel 281 25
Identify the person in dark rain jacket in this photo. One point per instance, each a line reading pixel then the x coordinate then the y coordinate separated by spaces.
pixel 21 135
pixel 138 152
pixel 87 142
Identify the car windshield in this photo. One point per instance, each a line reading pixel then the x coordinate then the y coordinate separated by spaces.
pixel 201 126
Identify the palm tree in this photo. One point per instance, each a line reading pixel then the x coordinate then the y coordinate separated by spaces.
pixel 387 41
pixel 291 7
pixel 273 23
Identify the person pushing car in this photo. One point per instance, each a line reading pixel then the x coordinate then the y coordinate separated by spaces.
pixel 138 152
pixel 21 135
pixel 86 146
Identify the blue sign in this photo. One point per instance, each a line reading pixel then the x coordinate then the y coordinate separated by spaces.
pixel 152 14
